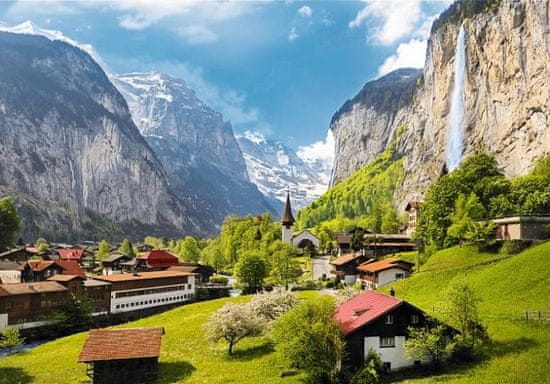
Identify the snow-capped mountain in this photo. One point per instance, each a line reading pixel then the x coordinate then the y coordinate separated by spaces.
pixel 274 167
pixel 195 145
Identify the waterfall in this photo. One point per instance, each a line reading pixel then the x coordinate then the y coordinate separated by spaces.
pixel 455 141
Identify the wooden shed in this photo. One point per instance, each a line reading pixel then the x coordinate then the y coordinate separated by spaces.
pixel 122 356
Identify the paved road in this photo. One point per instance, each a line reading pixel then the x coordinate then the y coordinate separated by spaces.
pixel 320 266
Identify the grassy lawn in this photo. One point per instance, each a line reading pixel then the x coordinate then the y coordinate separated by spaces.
pixel 186 356
pixel 520 349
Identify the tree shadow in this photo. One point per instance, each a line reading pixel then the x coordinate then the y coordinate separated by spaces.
pixel 459 368
pixel 174 371
pixel 253 352
pixel 10 375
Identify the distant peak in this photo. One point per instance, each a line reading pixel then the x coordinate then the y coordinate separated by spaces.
pixel 255 137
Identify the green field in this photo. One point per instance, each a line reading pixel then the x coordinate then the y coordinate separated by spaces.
pixel 186 356
pixel 507 285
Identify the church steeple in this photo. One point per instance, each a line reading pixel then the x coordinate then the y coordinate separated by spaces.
pixel 287 219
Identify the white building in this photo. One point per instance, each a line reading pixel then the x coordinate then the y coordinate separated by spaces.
pixel 374 275
pixel 304 239
pixel 136 291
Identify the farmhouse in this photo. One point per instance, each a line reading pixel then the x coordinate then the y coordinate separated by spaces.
pixel 156 260
pixel 379 273
pixel 378 322
pixel 122 356
pixel 26 302
pixel 113 264
pixel 345 266
pixel 136 291
pixel 522 228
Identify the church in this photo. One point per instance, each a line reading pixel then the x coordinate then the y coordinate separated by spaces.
pixel 304 239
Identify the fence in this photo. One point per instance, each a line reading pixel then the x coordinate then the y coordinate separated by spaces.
pixel 539 315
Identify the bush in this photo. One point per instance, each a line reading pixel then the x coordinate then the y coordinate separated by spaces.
pixel 369 373
pixel 11 338
pixel 218 279
pixel 513 247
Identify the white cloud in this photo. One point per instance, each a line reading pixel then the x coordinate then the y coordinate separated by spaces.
pixel 393 19
pixel 410 54
pixel 197 34
pixel 293 34
pixel 305 11
pixel 320 151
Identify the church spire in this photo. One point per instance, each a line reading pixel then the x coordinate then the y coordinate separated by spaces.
pixel 287 219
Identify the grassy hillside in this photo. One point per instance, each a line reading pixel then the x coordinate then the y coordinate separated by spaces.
pixel 186 356
pixel 363 197
pixel 507 286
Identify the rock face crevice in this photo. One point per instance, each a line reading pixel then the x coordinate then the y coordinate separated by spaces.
pixel 67 142
pixel 507 98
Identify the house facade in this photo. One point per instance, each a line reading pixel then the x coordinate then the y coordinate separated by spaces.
pixel 378 322
pixel 412 209
pixel 345 266
pixel 27 302
pixel 136 291
pixel 522 228
pixel 374 275
pixel 113 264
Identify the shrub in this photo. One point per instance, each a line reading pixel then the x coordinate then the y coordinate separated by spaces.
pixel 369 373
pixel 11 338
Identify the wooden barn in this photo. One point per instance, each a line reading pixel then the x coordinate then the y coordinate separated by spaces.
pixel 122 356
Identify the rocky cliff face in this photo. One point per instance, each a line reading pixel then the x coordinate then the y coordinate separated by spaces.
pixel 70 152
pixel 507 97
pixel 195 145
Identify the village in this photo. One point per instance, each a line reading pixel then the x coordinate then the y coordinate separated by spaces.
pixel 36 283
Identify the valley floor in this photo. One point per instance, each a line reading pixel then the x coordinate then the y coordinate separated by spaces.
pixel 508 285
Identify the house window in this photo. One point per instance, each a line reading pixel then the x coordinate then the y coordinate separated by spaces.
pixel 399 276
pixel 387 341
pixel 388 320
pixel 415 319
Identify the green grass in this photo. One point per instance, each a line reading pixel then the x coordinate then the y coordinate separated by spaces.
pixel 507 286
pixel 186 356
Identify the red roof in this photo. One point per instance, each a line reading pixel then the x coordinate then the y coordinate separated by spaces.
pixel 70 254
pixel 71 267
pixel 364 308
pixel 121 344
pixel 160 258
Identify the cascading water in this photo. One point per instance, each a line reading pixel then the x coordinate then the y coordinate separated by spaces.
pixel 455 141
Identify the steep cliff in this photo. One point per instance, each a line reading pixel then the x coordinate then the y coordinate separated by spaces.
pixel 70 152
pixel 507 97
pixel 196 146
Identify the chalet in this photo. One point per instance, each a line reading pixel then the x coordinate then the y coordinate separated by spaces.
pixel 345 266
pixel 27 302
pixel 137 291
pixel 113 264
pixel 344 239
pixel 378 322
pixel 70 254
pixel 156 260
pixel 522 228
pixel 379 273
pixel 40 270
pixel 74 283
pixel 16 254
pixel 10 272
pixel 380 244
pixel 122 356
pixel 412 209
pixel 202 272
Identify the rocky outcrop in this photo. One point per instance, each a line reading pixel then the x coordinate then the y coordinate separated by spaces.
pixel 70 152
pixel 507 96
pixel 196 146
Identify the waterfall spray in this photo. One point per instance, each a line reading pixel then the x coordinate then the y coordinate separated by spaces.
pixel 455 141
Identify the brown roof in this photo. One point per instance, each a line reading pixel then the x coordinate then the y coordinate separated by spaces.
pixel 121 344
pixel 95 283
pixel 344 259
pixel 382 265
pixel 71 267
pixel 28 288
pixel 142 276
pixel 65 277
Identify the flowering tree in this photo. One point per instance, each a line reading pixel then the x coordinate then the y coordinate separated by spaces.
pixel 232 323
pixel 271 305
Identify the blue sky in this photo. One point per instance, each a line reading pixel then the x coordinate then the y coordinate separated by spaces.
pixel 278 67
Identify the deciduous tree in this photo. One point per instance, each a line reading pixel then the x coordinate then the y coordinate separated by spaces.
pixel 9 222
pixel 251 270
